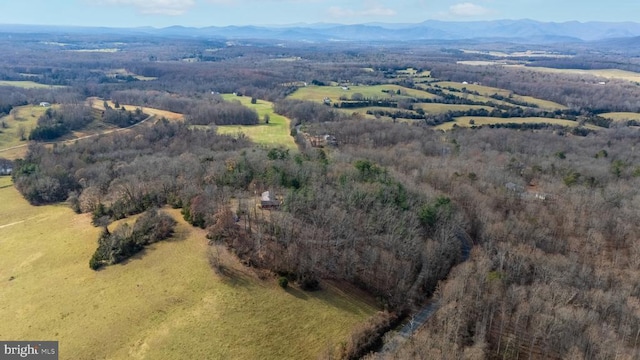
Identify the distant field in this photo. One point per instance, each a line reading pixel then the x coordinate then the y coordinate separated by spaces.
pixel 526 53
pixel 318 93
pixel 480 62
pixel 482 90
pixel 105 50
pixel 604 73
pixel 276 133
pixel 621 116
pixel 99 104
pixel 463 121
pixel 443 108
pixel 166 303
pixel 27 84
pixel 487 91
pixel 124 72
pixel 413 73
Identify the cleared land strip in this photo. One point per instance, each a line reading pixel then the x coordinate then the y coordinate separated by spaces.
pixel 70 141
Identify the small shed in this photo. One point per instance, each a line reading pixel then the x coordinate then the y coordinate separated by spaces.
pixel 268 201
pixel 6 167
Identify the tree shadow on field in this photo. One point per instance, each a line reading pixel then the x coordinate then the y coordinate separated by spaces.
pixel 344 296
pixel 225 266
pixel 137 256
pixel 300 294
pixel 179 234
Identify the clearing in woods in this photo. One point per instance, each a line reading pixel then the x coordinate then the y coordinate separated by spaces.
pixel 169 115
pixel 319 93
pixel 621 116
pixel 28 84
pixel 277 133
pixel 165 303
pixel 22 119
pixel 487 91
pixel 465 121
pixel 603 73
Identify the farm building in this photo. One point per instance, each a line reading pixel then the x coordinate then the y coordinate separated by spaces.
pixel 45 104
pixel 321 141
pixel 6 167
pixel 268 201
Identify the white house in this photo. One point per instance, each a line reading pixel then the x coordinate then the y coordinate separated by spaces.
pixel 5 169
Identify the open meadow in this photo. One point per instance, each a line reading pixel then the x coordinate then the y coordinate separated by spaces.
pixel 28 84
pixel 603 73
pixel 165 303
pixel 465 121
pixel 21 120
pixel 277 133
pixel 169 115
pixel 621 116
pixel 487 91
pixel 318 93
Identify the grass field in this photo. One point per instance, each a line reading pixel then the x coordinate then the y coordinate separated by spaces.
pixel 27 84
pixel 604 73
pixel 443 108
pixel 99 104
pixel 277 133
pixel 318 93
pixel 166 303
pixel 487 91
pixel 125 72
pixel 621 116
pixel 463 121
pixel 23 116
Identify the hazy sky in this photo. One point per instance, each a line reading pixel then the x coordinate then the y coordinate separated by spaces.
pixel 200 13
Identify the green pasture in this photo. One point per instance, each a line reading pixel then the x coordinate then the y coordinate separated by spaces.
pixel 277 133
pixel 165 303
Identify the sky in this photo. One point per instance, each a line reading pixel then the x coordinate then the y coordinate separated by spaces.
pixel 202 13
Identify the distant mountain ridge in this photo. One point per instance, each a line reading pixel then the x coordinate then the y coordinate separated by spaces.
pixel 425 31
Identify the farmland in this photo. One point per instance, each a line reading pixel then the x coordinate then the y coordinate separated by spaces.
pixel 603 73
pixel 22 118
pixel 487 91
pixel 169 115
pixel 465 121
pixel 621 116
pixel 319 93
pixel 274 134
pixel 28 84
pixel 417 179
pixel 150 307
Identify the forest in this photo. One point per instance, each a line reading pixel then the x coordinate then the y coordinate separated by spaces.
pixel 525 234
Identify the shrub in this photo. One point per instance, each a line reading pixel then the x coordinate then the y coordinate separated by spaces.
pixel 283 282
pixel 126 241
pixel 308 282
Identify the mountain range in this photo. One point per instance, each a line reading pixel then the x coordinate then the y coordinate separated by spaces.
pixel 431 30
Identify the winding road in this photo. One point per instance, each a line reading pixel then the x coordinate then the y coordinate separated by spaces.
pixel 420 317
